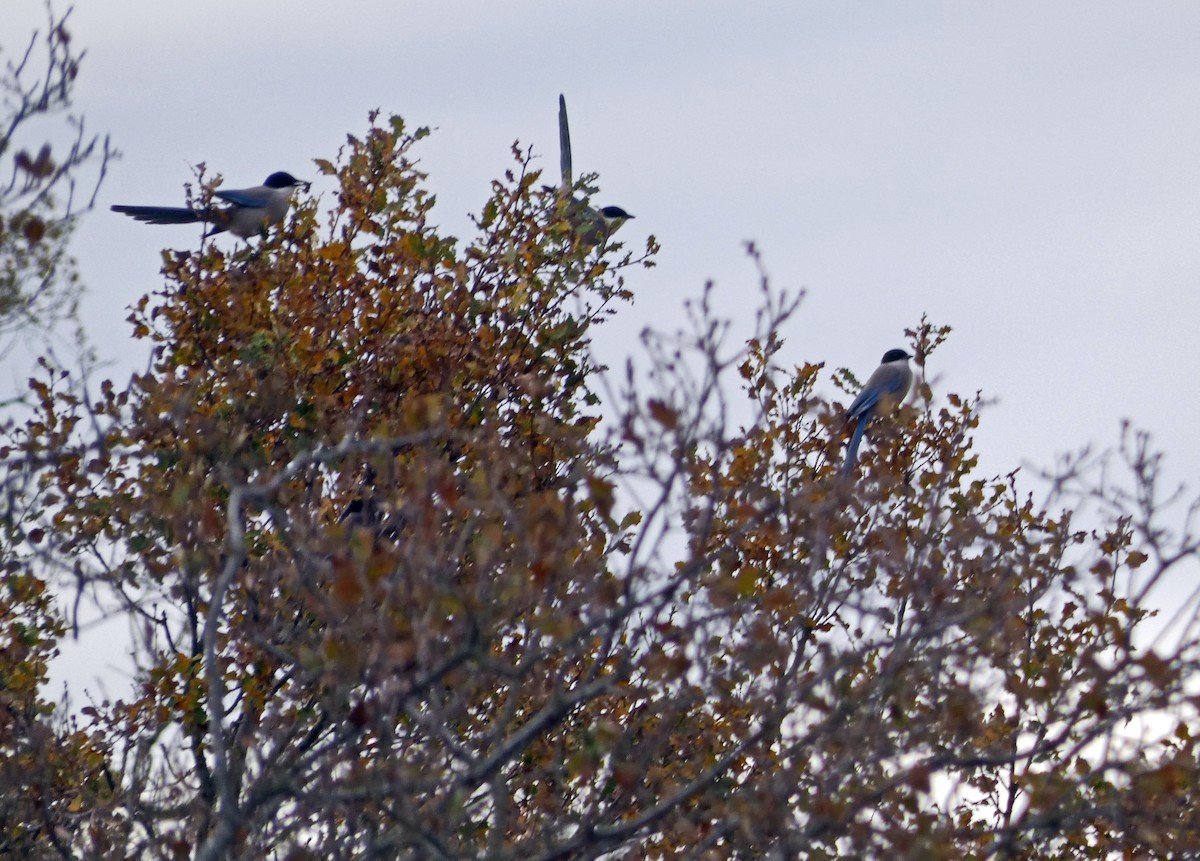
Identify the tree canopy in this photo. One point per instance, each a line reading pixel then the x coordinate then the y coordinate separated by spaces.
pixel 412 575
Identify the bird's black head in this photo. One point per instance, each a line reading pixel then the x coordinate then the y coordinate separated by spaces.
pixel 895 355
pixel 614 212
pixel 282 179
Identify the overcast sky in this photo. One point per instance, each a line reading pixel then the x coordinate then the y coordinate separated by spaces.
pixel 1025 172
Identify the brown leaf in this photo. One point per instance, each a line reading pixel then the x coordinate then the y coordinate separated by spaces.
pixel 662 414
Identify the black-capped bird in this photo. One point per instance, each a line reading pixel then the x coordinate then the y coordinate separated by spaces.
pixel 593 226
pixel 249 211
pixel 883 392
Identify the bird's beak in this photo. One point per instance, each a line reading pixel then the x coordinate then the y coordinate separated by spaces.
pixel 300 183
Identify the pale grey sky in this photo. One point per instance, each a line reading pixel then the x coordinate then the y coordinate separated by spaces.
pixel 1023 171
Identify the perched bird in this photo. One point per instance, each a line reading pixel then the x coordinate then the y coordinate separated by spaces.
pixel 593 226
pixel 249 212
pixel 885 390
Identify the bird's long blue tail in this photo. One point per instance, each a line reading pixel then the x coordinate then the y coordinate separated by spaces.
pixel 855 439
pixel 161 214
pixel 564 143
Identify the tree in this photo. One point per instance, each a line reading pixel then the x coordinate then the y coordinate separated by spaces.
pixel 39 203
pixel 373 511
pixel 48 765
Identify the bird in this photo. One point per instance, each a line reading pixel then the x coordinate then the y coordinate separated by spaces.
pixel 250 210
pixel 884 390
pixel 592 226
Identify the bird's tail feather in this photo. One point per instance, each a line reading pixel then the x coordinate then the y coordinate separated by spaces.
pixel 564 143
pixel 852 449
pixel 162 214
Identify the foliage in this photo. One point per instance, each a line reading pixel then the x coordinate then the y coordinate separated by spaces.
pixel 372 509
pixel 50 769
pixel 38 185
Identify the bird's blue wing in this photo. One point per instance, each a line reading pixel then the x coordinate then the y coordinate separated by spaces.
pixel 865 402
pixel 248 197
pixel 894 385
pixel 880 384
